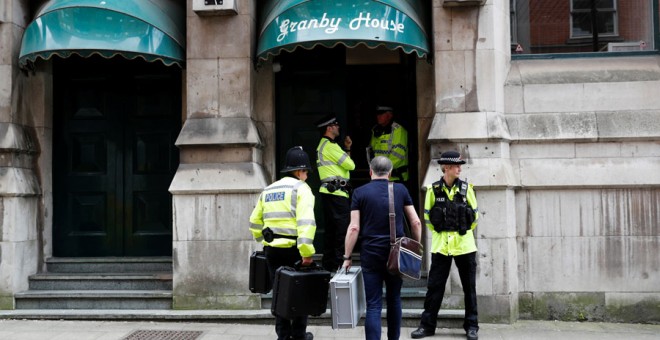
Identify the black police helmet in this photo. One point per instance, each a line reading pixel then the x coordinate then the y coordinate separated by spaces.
pixel 451 157
pixel 296 159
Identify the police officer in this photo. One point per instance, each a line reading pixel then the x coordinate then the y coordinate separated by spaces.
pixel 283 221
pixel 450 211
pixel 390 139
pixel 334 165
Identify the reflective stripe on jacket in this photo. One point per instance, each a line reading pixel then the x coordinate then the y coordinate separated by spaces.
pixel 287 208
pixel 393 145
pixel 333 163
pixel 450 243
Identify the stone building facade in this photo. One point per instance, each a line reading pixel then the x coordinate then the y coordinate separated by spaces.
pixel 564 154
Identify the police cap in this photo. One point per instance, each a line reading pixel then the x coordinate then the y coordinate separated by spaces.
pixel 327 120
pixel 296 159
pixel 451 157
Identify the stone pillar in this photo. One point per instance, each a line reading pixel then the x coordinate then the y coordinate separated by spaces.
pixel 19 188
pixel 221 171
pixel 471 58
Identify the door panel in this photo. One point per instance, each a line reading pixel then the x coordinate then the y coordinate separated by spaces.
pixel 115 123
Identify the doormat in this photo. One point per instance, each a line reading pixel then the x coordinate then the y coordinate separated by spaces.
pixel 163 335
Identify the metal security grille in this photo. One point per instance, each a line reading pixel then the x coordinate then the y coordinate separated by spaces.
pixel 163 335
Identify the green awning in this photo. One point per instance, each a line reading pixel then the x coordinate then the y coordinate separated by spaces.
pixel 149 29
pixel 395 24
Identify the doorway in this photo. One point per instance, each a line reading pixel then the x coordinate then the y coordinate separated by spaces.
pixel 314 83
pixel 114 126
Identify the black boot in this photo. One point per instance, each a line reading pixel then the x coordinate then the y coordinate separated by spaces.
pixel 421 333
pixel 472 334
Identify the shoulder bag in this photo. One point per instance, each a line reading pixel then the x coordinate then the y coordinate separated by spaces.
pixel 405 257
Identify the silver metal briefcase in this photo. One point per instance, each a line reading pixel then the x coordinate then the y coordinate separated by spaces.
pixel 348 303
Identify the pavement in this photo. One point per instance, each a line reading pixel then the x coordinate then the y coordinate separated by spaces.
pixel 17 329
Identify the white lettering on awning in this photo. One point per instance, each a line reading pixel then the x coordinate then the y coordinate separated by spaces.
pixel 331 25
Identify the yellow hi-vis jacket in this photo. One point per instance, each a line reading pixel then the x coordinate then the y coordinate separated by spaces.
pixel 393 145
pixel 450 243
pixel 287 208
pixel 333 164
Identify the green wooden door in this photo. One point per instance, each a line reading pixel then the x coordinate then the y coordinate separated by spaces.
pixel 115 123
pixel 310 86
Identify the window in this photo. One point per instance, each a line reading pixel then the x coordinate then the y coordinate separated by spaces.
pixel 583 26
pixel 587 13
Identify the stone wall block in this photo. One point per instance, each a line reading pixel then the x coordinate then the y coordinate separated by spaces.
pixel 464 24
pixel 486 16
pixel 450 81
pixel 644 125
pixel 576 173
pixel 213 275
pixel 235 87
pixel 496 214
pixel 192 179
pixel 585 213
pixel 18 260
pixel 613 96
pixel 213 217
pixel 541 98
pixel 633 307
pixel 222 36
pixel 225 131
pixel 18 217
pixel 18 182
pixel 553 127
pixel 641 149
pixel 589 264
pixel 7 74
pixel 202 88
pixel 442 29
pixel 498 308
pixel 542 150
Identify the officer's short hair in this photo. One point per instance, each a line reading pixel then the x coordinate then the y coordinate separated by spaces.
pixel 381 165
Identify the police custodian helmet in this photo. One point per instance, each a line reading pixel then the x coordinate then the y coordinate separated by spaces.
pixel 296 159
pixel 451 157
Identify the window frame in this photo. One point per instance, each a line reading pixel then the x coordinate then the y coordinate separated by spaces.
pixel 655 5
pixel 611 10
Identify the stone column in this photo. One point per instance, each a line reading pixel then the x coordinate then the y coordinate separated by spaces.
pixel 471 59
pixel 221 171
pixel 19 188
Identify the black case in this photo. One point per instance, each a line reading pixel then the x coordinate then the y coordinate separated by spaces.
pixel 259 276
pixel 300 291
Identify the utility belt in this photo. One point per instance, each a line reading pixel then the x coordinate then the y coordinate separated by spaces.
pixel 337 184
pixel 462 230
pixel 269 235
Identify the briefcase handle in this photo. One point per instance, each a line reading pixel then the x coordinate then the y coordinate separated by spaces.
pixel 300 268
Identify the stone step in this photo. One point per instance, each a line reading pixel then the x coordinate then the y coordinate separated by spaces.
pixel 447 318
pixel 109 264
pixel 94 299
pixel 101 281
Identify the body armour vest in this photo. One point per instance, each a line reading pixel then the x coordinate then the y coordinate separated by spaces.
pixel 456 215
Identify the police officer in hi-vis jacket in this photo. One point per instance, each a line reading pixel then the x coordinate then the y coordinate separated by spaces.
pixel 283 221
pixel 334 165
pixel 450 211
pixel 390 139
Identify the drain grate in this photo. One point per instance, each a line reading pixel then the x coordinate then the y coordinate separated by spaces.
pixel 163 335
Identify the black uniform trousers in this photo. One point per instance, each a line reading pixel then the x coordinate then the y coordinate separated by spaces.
pixel 275 258
pixel 467 271
pixel 337 216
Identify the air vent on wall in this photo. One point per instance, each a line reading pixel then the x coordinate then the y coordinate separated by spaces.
pixel 214 7
pixel 626 46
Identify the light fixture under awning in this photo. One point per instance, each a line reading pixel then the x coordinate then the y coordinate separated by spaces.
pixel 149 29
pixel 289 24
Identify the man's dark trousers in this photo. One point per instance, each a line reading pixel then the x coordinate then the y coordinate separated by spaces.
pixel 467 271
pixel 275 258
pixel 337 216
